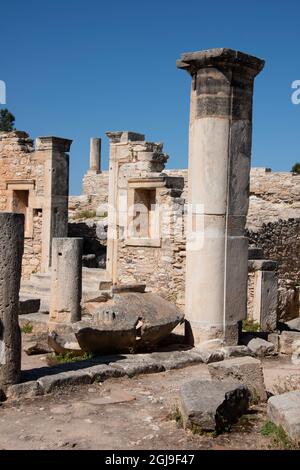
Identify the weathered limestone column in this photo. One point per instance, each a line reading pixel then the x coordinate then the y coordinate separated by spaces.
pixel 11 252
pixel 66 280
pixel 219 167
pixel 95 155
pixel 54 153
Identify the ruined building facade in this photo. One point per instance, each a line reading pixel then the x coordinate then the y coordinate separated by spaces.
pixel 34 181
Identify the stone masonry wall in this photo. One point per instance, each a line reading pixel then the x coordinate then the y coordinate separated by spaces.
pixel 273 196
pixel 280 242
pixel 17 163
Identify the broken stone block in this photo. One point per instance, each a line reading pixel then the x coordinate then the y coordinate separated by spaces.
pixel 24 390
pixel 128 322
pixel 48 383
pixel 28 305
pixel 211 356
pixel 235 351
pixel 246 370
pixel 36 347
pixel 213 405
pixel 64 343
pixel 284 410
pixel 260 347
pixel 286 341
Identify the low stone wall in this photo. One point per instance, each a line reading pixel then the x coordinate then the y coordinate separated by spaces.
pixel 280 242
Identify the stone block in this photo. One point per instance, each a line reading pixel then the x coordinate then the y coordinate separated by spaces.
pixel 286 341
pixel 24 390
pixel 102 372
pixel 49 383
pixel 260 347
pixel 284 410
pixel 212 405
pixel 246 370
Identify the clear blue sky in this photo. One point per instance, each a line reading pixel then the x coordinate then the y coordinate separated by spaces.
pixel 78 68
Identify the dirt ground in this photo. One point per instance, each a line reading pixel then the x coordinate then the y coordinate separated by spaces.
pixel 128 414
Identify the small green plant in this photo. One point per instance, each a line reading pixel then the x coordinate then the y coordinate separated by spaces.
pixel 250 326
pixel 84 215
pixel 296 168
pixel 27 328
pixel 103 214
pixel 175 415
pixel 277 434
pixel 68 357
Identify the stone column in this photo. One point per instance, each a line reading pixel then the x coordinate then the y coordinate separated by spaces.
pixel 219 167
pixel 53 152
pixel 95 155
pixel 66 280
pixel 11 252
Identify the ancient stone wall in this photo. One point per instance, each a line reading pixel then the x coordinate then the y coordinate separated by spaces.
pixel 280 242
pixel 34 182
pixel 273 196
pixel 16 164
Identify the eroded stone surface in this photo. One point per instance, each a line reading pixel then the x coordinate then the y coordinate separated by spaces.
pixel 212 405
pixel 284 411
pixel 246 370
pixel 11 252
pixel 129 321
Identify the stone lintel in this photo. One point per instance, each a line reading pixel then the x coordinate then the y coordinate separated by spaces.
pixel 117 137
pixel 219 58
pixel 53 143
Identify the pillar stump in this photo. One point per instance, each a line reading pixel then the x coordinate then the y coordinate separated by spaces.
pixel 11 252
pixel 218 193
pixel 66 281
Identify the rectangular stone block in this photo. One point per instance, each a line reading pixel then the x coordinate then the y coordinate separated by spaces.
pixel 236 279
pixel 246 370
pixel 284 410
pixel 265 299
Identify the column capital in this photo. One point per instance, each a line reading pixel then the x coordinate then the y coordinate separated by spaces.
pixel 53 143
pixel 117 137
pixel 220 58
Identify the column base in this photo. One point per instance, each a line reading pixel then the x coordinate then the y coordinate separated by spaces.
pixel 196 334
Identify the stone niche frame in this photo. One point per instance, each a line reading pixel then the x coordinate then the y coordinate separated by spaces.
pixel 144 184
pixel 13 186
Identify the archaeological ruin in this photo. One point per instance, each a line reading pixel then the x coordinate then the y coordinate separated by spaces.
pixel 204 260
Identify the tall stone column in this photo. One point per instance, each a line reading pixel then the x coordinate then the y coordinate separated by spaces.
pixel 54 153
pixel 66 280
pixel 95 155
pixel 219 170
pixel 11 252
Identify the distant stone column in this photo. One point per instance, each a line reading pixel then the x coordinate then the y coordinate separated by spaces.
pixel 66 280
pixel 219 167
pixel 95 154
pixel 11 252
